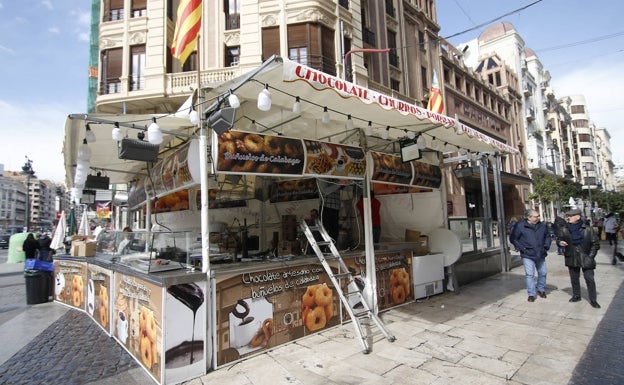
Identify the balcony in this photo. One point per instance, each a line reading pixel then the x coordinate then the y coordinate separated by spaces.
pixel 530 114
pixel 394 59
pixel 528 90
pixel 390 11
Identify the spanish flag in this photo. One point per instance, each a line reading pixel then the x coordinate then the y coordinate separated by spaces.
pixel 186 29
pixel 436 103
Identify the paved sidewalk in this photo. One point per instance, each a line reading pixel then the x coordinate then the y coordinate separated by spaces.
pixel 486 334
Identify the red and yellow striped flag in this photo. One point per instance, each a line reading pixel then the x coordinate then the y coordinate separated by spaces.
pixel 436 102
pixel 187 28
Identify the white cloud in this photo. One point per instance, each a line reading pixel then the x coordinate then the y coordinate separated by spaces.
pixel 54 30
pixel 7 50
pixel 47 4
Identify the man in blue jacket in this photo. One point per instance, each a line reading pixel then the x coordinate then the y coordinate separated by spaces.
pixel 531 237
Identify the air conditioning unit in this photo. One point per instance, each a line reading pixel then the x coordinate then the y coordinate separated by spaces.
pixel 134 149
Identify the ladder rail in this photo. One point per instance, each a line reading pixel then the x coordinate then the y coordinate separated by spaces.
pixel 343 274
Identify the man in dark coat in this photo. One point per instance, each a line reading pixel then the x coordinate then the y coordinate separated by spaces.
pixel 45 252
pixel 30 246
pixel 581 245
pixel 532 238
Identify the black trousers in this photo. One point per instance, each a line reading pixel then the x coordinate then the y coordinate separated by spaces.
pixel 331 222
pixel 588 274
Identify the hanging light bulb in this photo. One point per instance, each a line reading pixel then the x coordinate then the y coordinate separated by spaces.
pixel 385 134
pixel 194 116
pixel 349 123
pixel 325 117
pixel 420 142
pixel 297 105
pixel 264 99
pixel 369 129
pixel 90 136
pixel 154 135
pixel 84 152
pixel 117 134
pixel 411 134
pixel 434 143
pixel 252 126
pixel 233 100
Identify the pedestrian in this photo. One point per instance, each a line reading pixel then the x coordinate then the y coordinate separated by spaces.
pixel 581 245
pixel 375 206
pixel 610 228
pixel 30 246
pixel 556 227
pixel 45 251
pixel 531 237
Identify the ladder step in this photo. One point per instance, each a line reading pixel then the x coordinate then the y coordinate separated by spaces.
pixel 330 256
pixel 342 275
pixel 324 243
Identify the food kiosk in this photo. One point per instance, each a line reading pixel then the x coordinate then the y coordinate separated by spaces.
pixel 216 246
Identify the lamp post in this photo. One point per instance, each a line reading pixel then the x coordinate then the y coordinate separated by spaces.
pixel 29 172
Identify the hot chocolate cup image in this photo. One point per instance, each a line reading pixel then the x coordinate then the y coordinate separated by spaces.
pixel 122 327
pixel 244 332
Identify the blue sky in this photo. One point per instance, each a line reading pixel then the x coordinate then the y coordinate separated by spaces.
pixel 44 49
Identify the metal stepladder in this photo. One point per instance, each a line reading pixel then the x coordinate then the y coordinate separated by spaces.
pixel 362 309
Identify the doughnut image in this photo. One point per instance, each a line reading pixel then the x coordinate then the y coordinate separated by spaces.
pixel 241 310
pixel 264 333
pixel 147 353
pixel 254 143
pixel 315 319
pixel 247 166
pixel 76 299
pixel 272 145
pixel 103 305
pixel 317 306
pixel 323 295
pixel 398 295
pixel 77 290
pixel 226 148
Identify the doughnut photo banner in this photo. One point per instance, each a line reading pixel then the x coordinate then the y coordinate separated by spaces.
pixel 324 158
pixel 98 295
pixel 390 169
pixel 70 283
pixel 248 152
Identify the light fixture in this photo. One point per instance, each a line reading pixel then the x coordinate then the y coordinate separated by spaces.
pixel 222 119
pixel 252 126
pixel 154 135
pixel 297 105
pixel 84 152
pixel 369 129
pixel 325 117
pixel 411 134
pixel 233 100
pixel 90 136
pixel 194 116
pixel 117 134
pixel 349 123
pixel 421 142
pixel 82 165
pixel 264 99
pixel 385 134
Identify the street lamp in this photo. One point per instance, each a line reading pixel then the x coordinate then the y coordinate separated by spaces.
pixel 29 172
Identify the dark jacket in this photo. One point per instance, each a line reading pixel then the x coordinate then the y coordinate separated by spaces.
pixel 30 246
pixel 584 254
pixel 45 252
pixel 532 241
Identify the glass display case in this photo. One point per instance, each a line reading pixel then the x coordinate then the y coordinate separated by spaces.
pixel 148 251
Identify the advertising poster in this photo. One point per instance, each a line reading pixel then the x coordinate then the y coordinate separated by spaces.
pixel 426 175
pixel 136 321
pixel 267 308
pixel 294 190
pixel 137 194
pixel 390 169
pixel 103 209
pixel 176 201
pixel 323 158
pixel 248 152
pixel 70 283
pixel 185 328
pixel 394 277
pixel 389 189
pixel 99 295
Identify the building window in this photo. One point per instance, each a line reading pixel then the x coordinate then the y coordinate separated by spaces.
pixel 191 63
pixel 584 138
pixel 421 39
pixel 344 3
pixel 395 84
pixel 110 82
pixel 392 55
pixel 314 44
pixel 298 54
pixel 580 123
pixel 113 10
pixel 137 67
pixel 232 14
pixel 580 109
pixel 232 56
pixel 139 8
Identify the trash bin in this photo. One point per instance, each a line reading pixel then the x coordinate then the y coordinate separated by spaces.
pixel 37 286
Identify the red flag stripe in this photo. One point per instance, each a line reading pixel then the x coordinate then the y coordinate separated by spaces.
pixel 187 28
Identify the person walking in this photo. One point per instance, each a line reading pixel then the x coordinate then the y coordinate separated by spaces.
pixel 30 246
pixel 581 245
pixel 610 228
pixel 532 238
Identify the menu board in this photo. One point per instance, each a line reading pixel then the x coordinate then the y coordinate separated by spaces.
pixel 99 295
pixel 263 309
pixel 70 282
pixel 323 158
pixel 390 169
pixel 249 152
pixel 136 321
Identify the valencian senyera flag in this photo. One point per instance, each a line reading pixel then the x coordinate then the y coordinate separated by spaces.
pixel 436 103
pixel 187 27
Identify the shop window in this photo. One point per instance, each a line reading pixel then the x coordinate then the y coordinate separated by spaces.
pixel 137 67
pixel 139 8
pixel 113 10
pixel 110 82
pixel 232 56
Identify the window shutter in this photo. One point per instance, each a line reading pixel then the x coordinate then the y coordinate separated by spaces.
pixel 270 42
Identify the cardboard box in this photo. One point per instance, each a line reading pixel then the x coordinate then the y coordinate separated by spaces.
pixel 83 249
pixel 423 248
